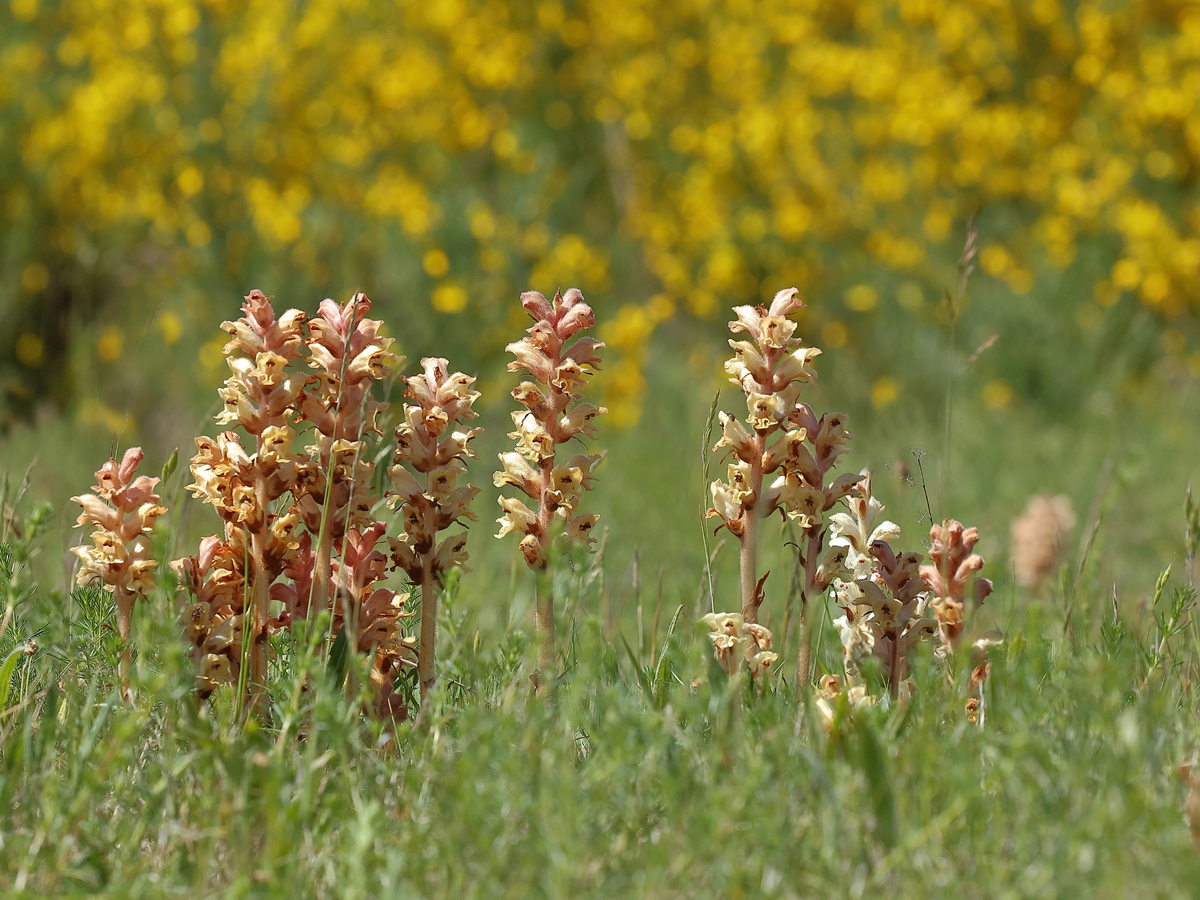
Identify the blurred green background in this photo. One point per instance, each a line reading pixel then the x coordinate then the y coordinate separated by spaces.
pixel 160 159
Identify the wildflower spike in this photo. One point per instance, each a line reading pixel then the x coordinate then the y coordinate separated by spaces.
pixel 553 413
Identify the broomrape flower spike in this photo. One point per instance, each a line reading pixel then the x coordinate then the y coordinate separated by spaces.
pixel 554 413
pixel 261 396
pixel 349 356
pixel 781 461
pixel 433 443
pixel 953 569
pixel 881 593
pixel 124 509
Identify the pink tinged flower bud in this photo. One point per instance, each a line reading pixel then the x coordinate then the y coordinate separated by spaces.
pixel 533 551
pixel 129 463
pixel 785 302
pixel 536 305
pixel 573 314
pixel 529 359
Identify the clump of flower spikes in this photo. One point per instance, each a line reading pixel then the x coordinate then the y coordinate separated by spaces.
pixel 554 413
pixel 881 593
pixel 261 396
pixel 787 443
pixel 349 356
pixel 432 442
pixel 737 642
pixel 336 502
pixel 328 485
pixel 124 509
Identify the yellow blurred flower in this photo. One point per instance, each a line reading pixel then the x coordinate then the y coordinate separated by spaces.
pixel 449 298
pixel 436 263
pixel 30 350
pixel 997 395
pixel 862 298
pixel 110 344
pixel 884 392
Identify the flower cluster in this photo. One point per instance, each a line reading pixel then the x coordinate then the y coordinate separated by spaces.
pixel 261 395
pixel 307 515
pixel 554 414
pixel 214 619
pixel 881 593
pixel 785 443
pixel 349 356
pixel 953 569
pixel 737 642
pixel 124 509
pixel 434 444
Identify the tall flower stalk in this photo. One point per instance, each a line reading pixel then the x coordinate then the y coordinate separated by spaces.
pixel 781 462
pixel 349 356
pixel 124 509
pixel 554 413
pixel 433 444
pixel 260 395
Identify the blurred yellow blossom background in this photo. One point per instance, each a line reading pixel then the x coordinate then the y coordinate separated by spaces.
pixel 158 158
